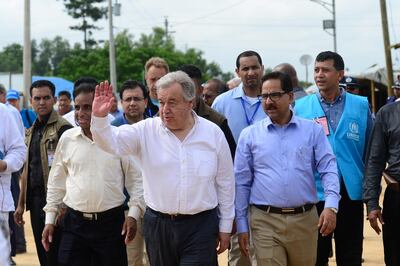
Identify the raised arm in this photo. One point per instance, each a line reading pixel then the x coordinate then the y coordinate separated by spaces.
pixel 119 141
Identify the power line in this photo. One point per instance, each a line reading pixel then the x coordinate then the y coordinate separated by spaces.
pixel 212 13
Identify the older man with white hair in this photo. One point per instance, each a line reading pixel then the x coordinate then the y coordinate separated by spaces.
pixel 189 187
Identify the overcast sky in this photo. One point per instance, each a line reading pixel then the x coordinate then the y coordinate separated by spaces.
pixel 280 30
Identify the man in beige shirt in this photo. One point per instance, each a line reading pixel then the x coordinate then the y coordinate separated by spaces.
pixel 90 183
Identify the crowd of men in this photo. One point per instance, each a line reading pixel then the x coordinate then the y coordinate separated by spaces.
pixel 191 168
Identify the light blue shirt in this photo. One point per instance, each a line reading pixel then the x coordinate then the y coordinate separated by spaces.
pixel 239 111
pixel 274 165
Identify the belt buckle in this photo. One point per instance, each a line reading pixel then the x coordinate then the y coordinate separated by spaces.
pixel 89 216
pixel 287 210
pixel 173 216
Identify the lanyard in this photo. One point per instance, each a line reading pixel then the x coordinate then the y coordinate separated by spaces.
pixel 249 121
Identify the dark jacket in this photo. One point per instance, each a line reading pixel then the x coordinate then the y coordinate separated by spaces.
pixel 383 148
pixel 205 111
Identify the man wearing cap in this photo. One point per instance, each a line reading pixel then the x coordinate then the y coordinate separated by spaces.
pixel 396 92
pixel 274 170
pixel 351 85
pixel 347 121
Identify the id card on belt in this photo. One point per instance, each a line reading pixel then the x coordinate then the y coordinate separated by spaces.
pixel 323 121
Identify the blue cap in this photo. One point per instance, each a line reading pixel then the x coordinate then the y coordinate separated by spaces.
pixel 12 95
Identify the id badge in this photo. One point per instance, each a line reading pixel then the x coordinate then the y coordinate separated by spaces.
pixel 323 121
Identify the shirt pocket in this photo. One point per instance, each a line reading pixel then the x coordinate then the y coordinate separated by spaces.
pixel 303 158
pixel 205 164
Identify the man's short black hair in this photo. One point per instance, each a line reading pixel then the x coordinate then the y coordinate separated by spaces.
pixel 81 80
pixel 133 84
pixel 286 82
pixel 43 83
pixel 65 93
pixel 192 71
pixel 84 88
pixel 338 62
pixel 247 54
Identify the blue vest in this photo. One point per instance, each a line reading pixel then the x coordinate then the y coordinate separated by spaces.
pixel 348 142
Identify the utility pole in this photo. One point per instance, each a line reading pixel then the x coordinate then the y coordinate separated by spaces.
pixel 27 58
pixel 329 23
pixel 386 43
pixel 113 68
pixel 166 28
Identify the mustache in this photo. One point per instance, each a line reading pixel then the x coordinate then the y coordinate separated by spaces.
pixel 270 107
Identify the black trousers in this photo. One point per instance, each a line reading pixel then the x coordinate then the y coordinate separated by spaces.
pixel 181 241
pixel 36 204
pixel 348 234
pixel 391 229
pixel 93 242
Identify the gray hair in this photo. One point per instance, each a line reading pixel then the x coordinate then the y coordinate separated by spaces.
pixel 182 79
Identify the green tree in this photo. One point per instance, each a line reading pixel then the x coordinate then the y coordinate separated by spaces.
pixel 11 58
pixel 89 12
pixel 48 56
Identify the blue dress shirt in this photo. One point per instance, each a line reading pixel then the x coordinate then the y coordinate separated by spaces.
pixel 239 111
pixel 274 165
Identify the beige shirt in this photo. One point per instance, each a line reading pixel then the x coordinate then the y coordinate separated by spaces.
pixel 87 179
pixel 179 177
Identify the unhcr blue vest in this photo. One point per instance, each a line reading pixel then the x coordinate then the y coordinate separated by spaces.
pixel 348 142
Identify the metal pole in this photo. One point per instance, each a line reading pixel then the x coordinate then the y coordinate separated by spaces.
pixel 27 58
pixel 334 26
pixel 386 42
pixel 113 68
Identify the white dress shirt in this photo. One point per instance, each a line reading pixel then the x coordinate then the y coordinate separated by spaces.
pixel 13 152
pixel 179 177
pixel 87 179
pixel 17 118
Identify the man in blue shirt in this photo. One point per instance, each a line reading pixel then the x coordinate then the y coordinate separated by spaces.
pixel 347 121
pixel 274 169
pixel 242 107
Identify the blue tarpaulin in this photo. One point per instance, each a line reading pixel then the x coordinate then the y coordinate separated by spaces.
pixel 60 83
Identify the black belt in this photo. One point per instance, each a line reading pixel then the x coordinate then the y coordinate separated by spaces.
pixel 178 216
pixel 295 210
pixel 95 216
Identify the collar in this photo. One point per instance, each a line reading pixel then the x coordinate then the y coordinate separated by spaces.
pixel 238 92
pixel 293 121
pixel 52 118
pixel 338 98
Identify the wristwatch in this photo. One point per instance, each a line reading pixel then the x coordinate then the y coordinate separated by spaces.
pixel 334 210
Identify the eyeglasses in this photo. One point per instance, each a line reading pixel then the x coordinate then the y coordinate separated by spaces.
pixel 135 99
pixel 274 96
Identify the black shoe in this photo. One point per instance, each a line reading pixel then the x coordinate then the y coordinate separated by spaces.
pixel 12 262
pixel 20 250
